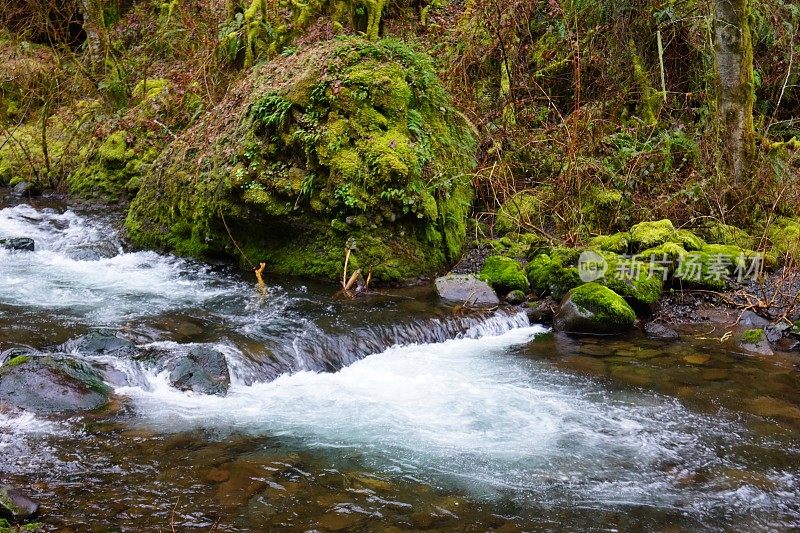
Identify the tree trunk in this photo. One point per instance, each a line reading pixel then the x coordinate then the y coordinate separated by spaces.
pixel 733 51
pixel 94 26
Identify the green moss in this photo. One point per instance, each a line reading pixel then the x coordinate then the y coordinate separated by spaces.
pixel 669 250
pixel 149 89
pixel 752 336
pixel 111 171
pixel 688 240
pixel 602 208
pixel 504 274
pixel 17 361
pixel 524 210
pixel 32 527
pixel 718 233
pixel 607 306
pixel 650 234
pixel 554 274
pixel 617 243
pixel 784 235
pixel 356 141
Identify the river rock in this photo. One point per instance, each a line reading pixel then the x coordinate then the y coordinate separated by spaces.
pixel 24 188
pixel 594 309
pixel 48 384
pixel 100 342
pixel 466 289
pixel 654 330
pixel 94 251
pixel 516 297
pixel 202 370
pixel 21 244
pixel 14 505
pixel 775 332
pixel 541 311
pixel 755 341
pixel 751 320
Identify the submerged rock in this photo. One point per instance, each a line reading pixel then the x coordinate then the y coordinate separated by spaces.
pixel 14 505
pixel 49 384
pixel 22 244
pixel 203 371
pixel 344 145
pixel 100 342
pixel 654 330
pixel 595 309
pixel 466 289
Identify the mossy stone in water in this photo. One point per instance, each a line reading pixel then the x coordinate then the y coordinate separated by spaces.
pixel 594 308
pixel 554 274
pixel 504 274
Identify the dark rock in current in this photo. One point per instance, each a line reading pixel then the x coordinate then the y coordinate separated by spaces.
pixel 202 370
pixel 21 244
pixel 654 330
pixel 466 289
pixel 789 344
pixel 49 384
pixel 542 311
pixel 94 251
pixel 14 505
pixel 100 342
pixel 24 189
pixel 516 297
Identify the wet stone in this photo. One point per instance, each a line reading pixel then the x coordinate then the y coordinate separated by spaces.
pixel 20 244
pixel 51 384
pixel 203 371
pixel 655 330
pixel 466 289
pixel 100 342
pixel 14 505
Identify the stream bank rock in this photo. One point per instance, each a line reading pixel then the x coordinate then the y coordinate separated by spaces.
pixel 595 309
pixel 48 384
pixel 466 289
pixel 15 506
pixel 203 371
pixel 344 145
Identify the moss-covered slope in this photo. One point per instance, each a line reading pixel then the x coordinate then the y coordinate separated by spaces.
pixel 344 144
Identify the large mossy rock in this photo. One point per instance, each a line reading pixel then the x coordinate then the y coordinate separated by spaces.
pixel 504 274
pixel 595 309
pixel 48 384
pixel 345 143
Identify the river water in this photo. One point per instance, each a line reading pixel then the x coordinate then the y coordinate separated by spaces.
pixel 383 413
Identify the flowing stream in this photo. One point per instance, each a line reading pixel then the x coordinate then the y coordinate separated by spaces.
pixel 382 412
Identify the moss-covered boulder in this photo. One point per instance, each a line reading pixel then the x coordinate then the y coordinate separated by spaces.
pixel 719 233
pixel 617 243
pixel 595 309
pixel 504 274
pixel 649 234
pixel 555 273
pixel 345 144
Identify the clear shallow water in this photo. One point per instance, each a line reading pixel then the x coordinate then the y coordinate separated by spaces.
pixel 383 412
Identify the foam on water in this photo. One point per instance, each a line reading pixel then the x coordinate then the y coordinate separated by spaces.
pixel 80 271
pixel 467 412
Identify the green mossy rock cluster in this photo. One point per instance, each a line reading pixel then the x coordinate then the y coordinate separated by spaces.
pixel 346 144
pixel 784 235
pixel 504 274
